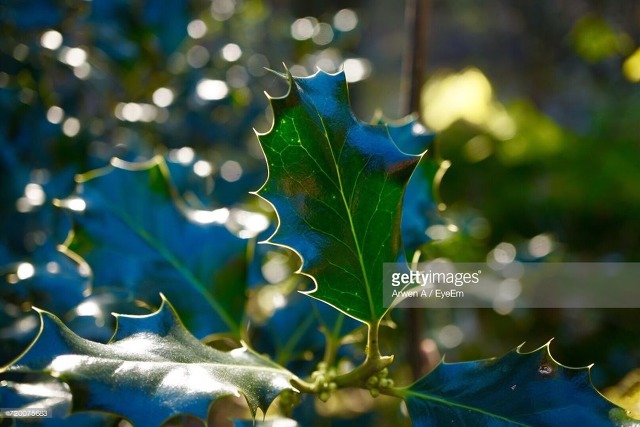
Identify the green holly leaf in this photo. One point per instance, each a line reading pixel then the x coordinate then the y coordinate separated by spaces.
pixel 337 185
pixel 516 389
pixel 136 234
pixel 152 369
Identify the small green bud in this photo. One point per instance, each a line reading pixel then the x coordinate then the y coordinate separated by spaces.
pixel 372 381
pixel 324 396
pixel 374 392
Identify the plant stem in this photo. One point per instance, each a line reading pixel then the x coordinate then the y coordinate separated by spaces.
pixel 416 20
pixel 373 363
pixel 415 56
pixel 332 338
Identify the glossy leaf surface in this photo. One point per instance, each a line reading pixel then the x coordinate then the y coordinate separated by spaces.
pixel 152 369
pixel 337 186
pixel 136 235
pixel 517 389
pixel 419 206
pixel 53 396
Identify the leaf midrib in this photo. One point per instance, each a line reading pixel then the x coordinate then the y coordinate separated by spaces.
pixel 215 365
pixel 410 393
pixel 350 217
pixel 179 266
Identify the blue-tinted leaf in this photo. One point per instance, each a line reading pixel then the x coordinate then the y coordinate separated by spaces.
pixel 17 330
pixel 54 283
pixel 152 369
pixel 419 206
pixel 136 235
pixel 52 396
pixel 516 389
pixel 34 14
pixel 48 279
pixel 295 331
pixel 92 318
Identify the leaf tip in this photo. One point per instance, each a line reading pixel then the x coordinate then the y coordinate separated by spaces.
pixel 38 310
pixel 279 74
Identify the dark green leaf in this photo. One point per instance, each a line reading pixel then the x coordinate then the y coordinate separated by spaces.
pixel 152 369
pixel 517 389
pixel 337 186
pixel 136 235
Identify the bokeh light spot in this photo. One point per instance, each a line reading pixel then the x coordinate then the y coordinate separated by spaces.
pixel 211 90
pixel 55 114
pixel 323 34
pixel 345 20
pixel 540 245
pixel 71 127
pixel 202 168
pixel 356 69
pixel 303 28
pixel 163 97
pixel 231 171
pixel 231 52
pixel 631 67
pixel 198 56
pixel 74 56
pixel 25 271
pixel 197 29
pixel 51 39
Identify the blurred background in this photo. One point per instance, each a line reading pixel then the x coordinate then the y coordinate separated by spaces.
pixel 536 106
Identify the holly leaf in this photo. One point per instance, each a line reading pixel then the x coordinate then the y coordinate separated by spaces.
pixel 55 398
pixel 337 185
pixel 420 204
pixel 135 234
pixel 516 389
pixel 152 369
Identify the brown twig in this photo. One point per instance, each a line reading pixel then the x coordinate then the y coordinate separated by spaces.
pixel 417 14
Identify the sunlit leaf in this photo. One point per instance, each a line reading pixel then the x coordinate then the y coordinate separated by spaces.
pixel 152 369
pixel 136 235
pixel 627 393
pixel 337 186
pixel 52 396
pixel 516 389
